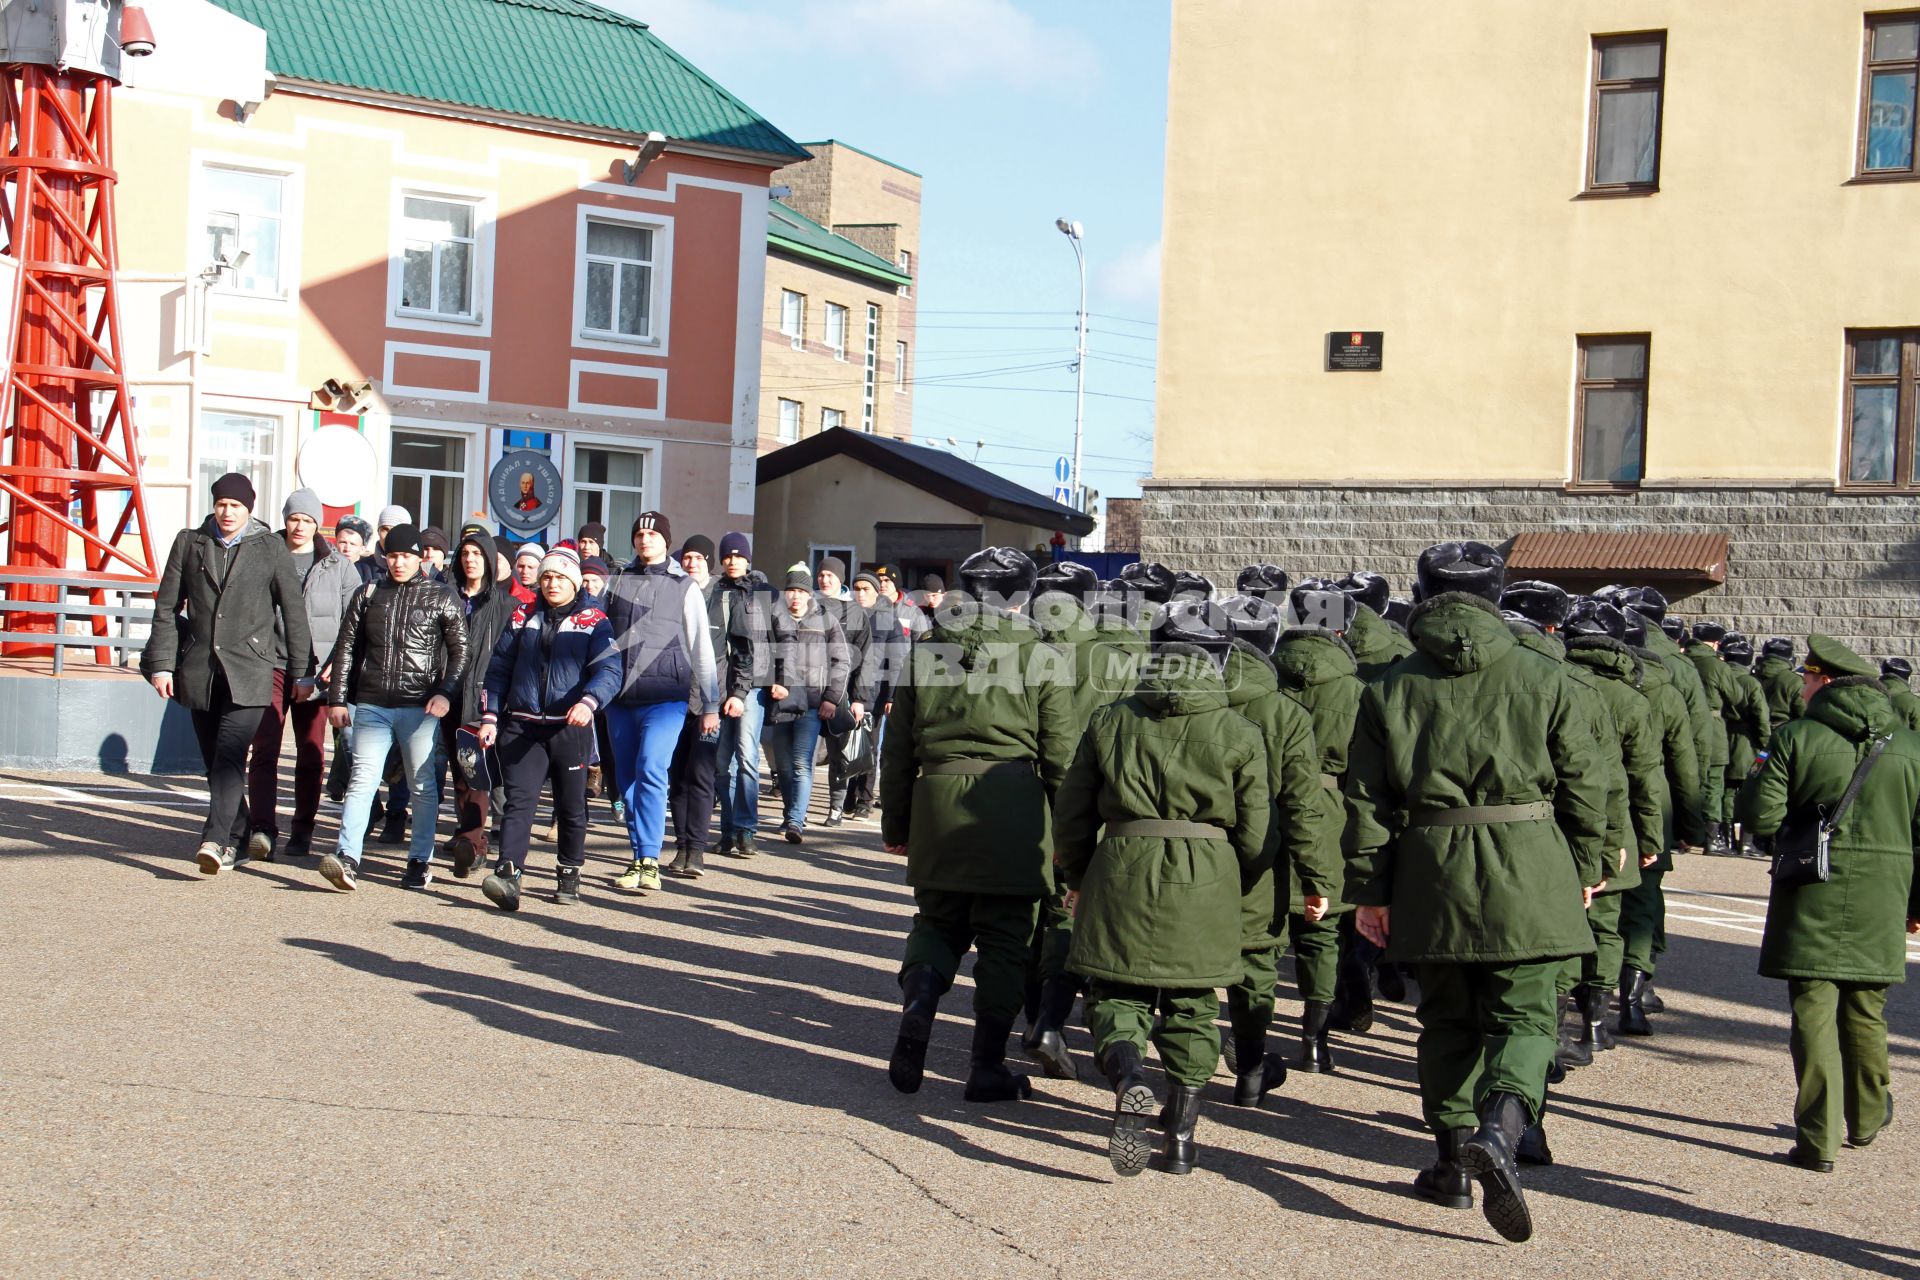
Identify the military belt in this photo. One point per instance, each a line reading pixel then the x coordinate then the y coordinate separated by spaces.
pixel 1159 829
pixel 975 768
pixel 1475 815
pixel 1330 783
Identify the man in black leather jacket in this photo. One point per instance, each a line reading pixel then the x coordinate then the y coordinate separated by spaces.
pixel 397 665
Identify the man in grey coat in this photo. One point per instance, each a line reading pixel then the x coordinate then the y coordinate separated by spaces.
pixel 327 583
pixel 228 588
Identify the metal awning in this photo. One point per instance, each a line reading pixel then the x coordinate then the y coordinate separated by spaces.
pixel 1669 557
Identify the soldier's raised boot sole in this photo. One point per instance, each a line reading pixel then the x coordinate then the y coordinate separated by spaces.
pixel 1130 1145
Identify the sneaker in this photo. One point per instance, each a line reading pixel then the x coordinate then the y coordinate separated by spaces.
pixel 260 845
pixel 466 855
pixel 419 874
pixel 299 845
pixel 641 876
pixel 208 856
pixel 340 872
pixel 682 860
pixel 834 818
pixel 394 829
pixel 743 845
pixel 566 888
pixel 723 846
pixel 792 832
pixel 503 886
pixel 619 810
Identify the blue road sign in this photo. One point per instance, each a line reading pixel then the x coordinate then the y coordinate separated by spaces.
pixel 1062 470
pixel 1063 495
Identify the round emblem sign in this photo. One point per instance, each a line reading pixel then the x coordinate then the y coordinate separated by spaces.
pixel 524 491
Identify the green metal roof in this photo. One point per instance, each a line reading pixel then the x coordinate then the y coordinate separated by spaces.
pixel 793 232
pixel 558 60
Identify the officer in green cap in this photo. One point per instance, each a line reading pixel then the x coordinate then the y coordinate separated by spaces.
pixel 1839 943
pixel 1476 838
pixel 978 740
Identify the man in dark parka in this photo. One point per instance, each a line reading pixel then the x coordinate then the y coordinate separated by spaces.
pixel 1776 674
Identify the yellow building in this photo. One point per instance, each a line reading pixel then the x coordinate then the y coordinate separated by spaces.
pixel 842 253
pixel 1507 269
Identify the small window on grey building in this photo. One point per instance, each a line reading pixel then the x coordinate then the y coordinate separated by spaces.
pixel 1610 412
pixel 1880 407
pixel 1623 148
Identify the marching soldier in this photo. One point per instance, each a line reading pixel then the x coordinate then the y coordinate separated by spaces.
pixel 1703 650
pixel 1477 793
pixel 979 739
pixel 1376 646
pixel 1662 640
pixel 1749 725
pixel 1161 826
pixel 1838 942
pixel 1782 683
pixel 1894 674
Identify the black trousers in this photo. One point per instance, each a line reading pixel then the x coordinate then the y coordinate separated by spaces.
pixel 535 752
pixel 690 784
pixel 225 731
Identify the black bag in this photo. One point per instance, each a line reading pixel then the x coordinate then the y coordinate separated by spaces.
pixel 1801 846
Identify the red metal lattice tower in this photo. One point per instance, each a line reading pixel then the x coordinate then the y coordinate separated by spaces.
pixel 70 440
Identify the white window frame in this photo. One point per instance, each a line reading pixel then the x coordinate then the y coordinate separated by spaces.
pixel 818 551
pixel 899 368
pixel 226 283
pixel 292 194
pixel 479 320
pixel 780 431
pixel 620 543
pixel 660 307
pixel 461 479
pixel 906 269
pixel 200 500
pixel 839 416
pixel 797 333
pixel 870 370
pixel 839 348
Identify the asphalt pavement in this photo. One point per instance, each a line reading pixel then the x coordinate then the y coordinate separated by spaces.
pixel 255 1076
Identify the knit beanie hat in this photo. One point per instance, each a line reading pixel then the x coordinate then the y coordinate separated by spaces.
pixel 564 561
pixel 391 516
pixel 533 549
pixel 302 502
pixel 835 566
pixel 596 566
pixel 736 544
pixel 654 520
pixel 701 545
pixel 402 537
pixel 595 530
pixel 236 487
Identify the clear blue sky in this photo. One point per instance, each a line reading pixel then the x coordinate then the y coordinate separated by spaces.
pixel 1016 112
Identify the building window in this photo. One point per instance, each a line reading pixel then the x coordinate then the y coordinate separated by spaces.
pixel 1624 149
pixel 609 487
pixel 906 269
pixel 436 277
pixel 244 217
pixel 242 442
pixel 1610 414
pixel 789 421
pixel 831 418
pixel 900 368
pixel 619 257
pixel 837 330
pixel 793 317
pixel 1881 368
pixel 429 477
pixel 871 369
pixel 1887 94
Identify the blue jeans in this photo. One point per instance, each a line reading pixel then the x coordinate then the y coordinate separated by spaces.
pixel 792 744
pixel 643 741
pixel 740 766
pixel 375 731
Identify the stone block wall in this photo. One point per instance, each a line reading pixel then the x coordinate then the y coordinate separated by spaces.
pixel 1799 560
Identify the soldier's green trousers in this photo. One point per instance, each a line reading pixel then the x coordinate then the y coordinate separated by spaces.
pixel 1054 938
pixel 1485 1028
pixel 1839 1042
pixel 1602 968
pixel 946 925
pixel 1316 954
pixel 1643 922
pixel 1188 1042
pixel 1713 776
pixel 1250 1001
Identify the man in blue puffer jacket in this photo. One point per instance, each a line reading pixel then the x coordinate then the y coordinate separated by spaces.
pixel 554 666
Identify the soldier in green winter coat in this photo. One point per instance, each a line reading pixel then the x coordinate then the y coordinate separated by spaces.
pixel 1375 642
pixel 977 743
pixel 1894 674
pixel 1477 798
pixel 1839 944
pixel 1303 837
pixel 1776 674
pixel 1317 670
pixel 1643 908
pixel 1161 828
pixel 1749 725
pixel 1106 655
pixel 1716 677
pixel 1662 636
pixel 1537 613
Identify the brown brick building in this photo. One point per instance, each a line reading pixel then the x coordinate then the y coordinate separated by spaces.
pixel 842 256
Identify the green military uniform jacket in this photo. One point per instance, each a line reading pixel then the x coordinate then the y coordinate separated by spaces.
pixel 1297 843
pixel 981 689
pixel 1594 703
pixel 1475 719
pixel 1700 716
pixel 1749 721
pixel 1674 730
pixel 1783 685
pixel 1642 753
pixel 1906 707
pixel 1716 678
pixel 1375 643
pixel 1106 656
pixel 1317 670
pixel 1159 911
pixel 1852 927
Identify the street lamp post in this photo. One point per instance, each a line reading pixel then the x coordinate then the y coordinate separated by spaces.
pixel 1074 232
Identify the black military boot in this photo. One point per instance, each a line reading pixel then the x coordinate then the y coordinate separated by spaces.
pixel 1717 840
pixel 1575 1050
pixel 920 992
pixel 1592 1003
pixel 1183 1113
pixel 1533 1148
pixel 1633 1016
pixel 1390 982
pixel 1129 1145
pixel 1050 1043
pixel 1353 989
pixel 1488 1155
pixel 1446 1183
pixel 1650 1001
pixel 1030 1010
pixel 988 1079
pixel 1315 1055
pixel 1256 1072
